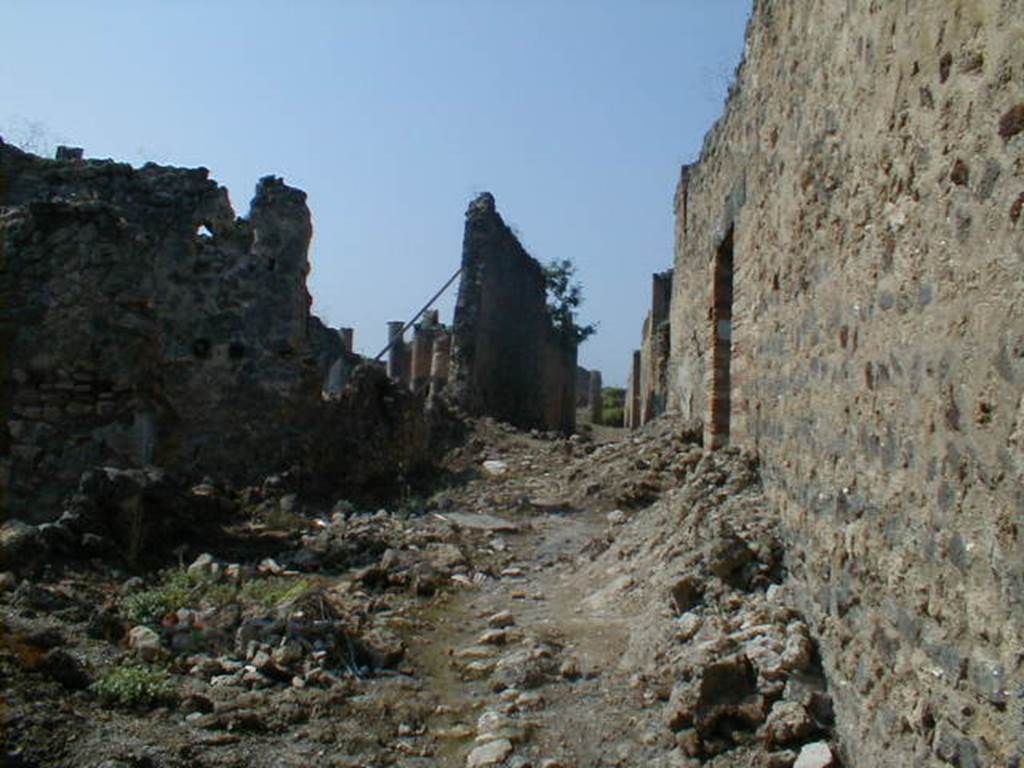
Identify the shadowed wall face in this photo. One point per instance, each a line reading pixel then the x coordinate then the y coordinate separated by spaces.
pixel 142 323
pixel 507 360
pixel 847 304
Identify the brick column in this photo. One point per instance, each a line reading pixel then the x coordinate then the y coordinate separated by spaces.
pixel 440 362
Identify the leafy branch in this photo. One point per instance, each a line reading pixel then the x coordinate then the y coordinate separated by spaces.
pixel 565 297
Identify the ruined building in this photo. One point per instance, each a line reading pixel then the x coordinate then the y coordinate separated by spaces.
pixel 647 386
pixel 847 305
pixel 423 364
pixel 508 360
pixel 504 356
pixel 142 323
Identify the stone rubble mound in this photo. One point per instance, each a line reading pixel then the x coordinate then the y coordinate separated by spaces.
pixel 716 640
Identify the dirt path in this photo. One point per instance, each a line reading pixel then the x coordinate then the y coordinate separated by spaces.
pixel 525 666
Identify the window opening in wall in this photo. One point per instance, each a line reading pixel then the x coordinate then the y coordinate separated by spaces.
pixel 721 354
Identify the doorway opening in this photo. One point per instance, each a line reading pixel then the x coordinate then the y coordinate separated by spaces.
pixel 721 349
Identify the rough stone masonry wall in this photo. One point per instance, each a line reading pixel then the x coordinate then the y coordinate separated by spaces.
pixel 508 361
pixel 867 181
pixel 141 322
pixel 654 350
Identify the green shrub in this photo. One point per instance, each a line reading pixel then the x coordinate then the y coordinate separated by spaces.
pixel 133 686
pixel 178 589
pixel 612 417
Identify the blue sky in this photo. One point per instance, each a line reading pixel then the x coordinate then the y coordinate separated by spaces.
pixel 392 115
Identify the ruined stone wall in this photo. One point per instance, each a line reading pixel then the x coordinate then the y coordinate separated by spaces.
pixel 558 381
pixel 632 415
pixel 849 267
pixel 507 360
pixel 648 386
pixel 141 322
pixel 654 351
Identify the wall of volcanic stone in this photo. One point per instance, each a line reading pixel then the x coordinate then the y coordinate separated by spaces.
pixel 142 323
pixel 849 303
pixel 508 361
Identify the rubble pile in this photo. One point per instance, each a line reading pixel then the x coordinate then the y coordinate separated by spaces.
pixel 716 642
pixel 533 611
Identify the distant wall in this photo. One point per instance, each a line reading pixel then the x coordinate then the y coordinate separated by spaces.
pixel 848 304
pixel 648 385
pixel 507 359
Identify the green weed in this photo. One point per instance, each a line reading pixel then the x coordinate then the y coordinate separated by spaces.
pixel 134 687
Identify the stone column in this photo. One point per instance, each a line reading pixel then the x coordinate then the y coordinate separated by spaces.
pixel 440 362
pixel 396 355
pixel 422 353
pixel 596 401
pixel 346 338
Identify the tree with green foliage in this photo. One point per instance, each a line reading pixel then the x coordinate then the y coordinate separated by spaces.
pixel 564 298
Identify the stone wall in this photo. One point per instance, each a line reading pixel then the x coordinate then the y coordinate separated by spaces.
pixel 647 393
pixel 848 305
pixel 507 359
pixel 141 323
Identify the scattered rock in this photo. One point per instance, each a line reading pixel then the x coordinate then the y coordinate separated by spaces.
pixel 788 723
pixel 144 642
pixel 616 517
pixel 686 594
pixel 21 546
pixel 204 565
pixel 491 753
pixel 493 637
pixel 501 620
pixel 816 755
pixel 569 669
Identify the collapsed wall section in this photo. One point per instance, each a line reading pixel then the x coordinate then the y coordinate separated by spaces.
pixel 508 360
pixel 852 247
pixel 142 323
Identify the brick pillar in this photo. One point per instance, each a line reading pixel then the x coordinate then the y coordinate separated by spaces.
pixel 440 362
pixel 422 354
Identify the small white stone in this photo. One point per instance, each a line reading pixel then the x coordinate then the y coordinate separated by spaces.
pixel 815 755
pixel 495 468
pixel 202 565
